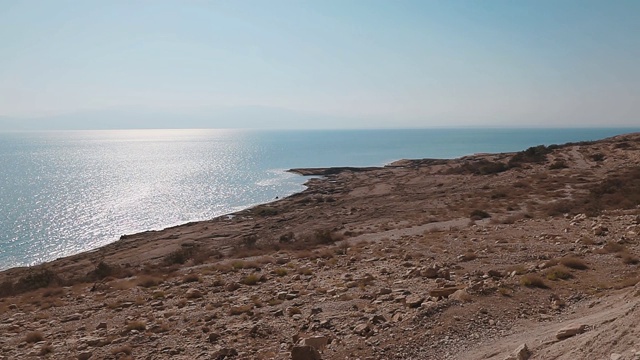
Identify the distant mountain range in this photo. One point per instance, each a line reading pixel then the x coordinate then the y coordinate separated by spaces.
pixel 232 117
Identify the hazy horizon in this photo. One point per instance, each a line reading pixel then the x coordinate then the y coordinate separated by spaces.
pixel 318 64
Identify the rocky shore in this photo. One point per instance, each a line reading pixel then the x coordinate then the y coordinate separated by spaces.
pixel 528 255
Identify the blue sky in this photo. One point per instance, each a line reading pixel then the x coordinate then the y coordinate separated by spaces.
pixel 326 63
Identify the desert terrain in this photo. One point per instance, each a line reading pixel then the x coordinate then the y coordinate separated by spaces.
pixel 528 255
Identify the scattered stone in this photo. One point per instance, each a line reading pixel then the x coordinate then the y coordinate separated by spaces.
pixel 570 330
pixel 522 352
pixel 461 295
pixel 214 337
pixel 443 292
pixel 85 355
pixel 600 230
pixel 317 342
pixel 193 294
pixel 414 301
pixel 72 317
pixel 305 352
pixel 224 353
pixel 363 330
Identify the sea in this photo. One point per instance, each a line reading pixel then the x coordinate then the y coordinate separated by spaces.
pixel 65 192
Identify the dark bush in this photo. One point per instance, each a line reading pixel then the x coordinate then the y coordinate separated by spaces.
pixel 535 154
pixel 558 164
pixel 265 211
pixel 36 279
pixel 479 215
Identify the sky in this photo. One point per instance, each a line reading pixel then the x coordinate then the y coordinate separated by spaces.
pixel 319 64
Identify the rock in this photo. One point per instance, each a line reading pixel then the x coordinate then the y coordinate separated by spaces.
pixel 600 230
pixel 224 353
pixel 430 273
pixel 615 356
pixel 93 341
pixel 214 337
pixel 193 294
pixel 231 287
pixel 414 301
pixel 85 355
pixel 495 273
pixel 102 325
pixel 362 330
pixel 317 342
pixel 522 352
pixel 384 291
pixel 377 319
pixel 305 353
pixel 443 292
pixel 461 295
pixel 397 317
pixel 72 317
pixel 571 330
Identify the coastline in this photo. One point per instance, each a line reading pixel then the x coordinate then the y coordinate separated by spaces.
pixel 484 249
pixel 313 186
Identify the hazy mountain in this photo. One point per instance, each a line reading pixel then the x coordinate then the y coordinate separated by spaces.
pixel 232 117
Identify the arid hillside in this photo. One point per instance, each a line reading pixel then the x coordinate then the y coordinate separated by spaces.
pixel 528 255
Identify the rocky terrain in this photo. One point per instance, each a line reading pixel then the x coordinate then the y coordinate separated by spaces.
pixel 529 255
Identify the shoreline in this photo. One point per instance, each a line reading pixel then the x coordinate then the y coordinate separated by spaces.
pixel 317 176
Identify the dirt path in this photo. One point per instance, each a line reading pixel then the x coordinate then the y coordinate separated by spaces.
pixel 613 330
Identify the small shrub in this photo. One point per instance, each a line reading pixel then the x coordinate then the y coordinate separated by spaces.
pixel 249 241
pixel 250 280
pixel 558 273
pixel 532 280
pixel 612 247
pixel 102 271
pixel 558 164
pixel 629 258
pixel 534 154
pixel 193 277
pixel 287 238
pixel 136 325
pixel 597 157
pixel 45 350
pixel 293 311
pixel 274 301
pixel 265 211
pixel 281 272
pixel 36 279
pixel 574 263
pixel 148 281
pixel 124 349
pixel 326 237
pixel 238 264
pixel 34 337
pixel 179 256
pixel 505 291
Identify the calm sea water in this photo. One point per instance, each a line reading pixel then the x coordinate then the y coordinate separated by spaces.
pixel 66 192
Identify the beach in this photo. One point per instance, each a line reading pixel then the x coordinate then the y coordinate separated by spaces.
pixel 463 258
